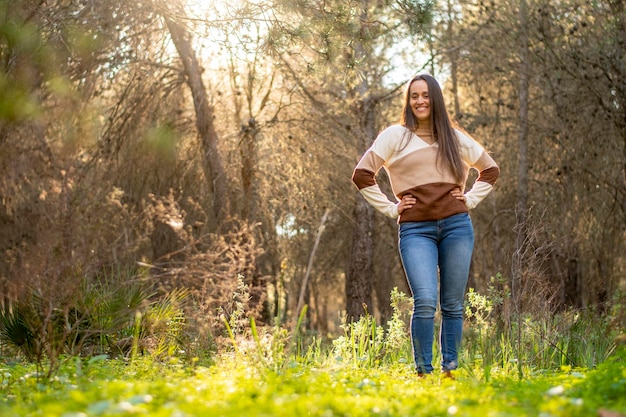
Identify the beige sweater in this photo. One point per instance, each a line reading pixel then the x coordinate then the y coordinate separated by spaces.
pixel 414 170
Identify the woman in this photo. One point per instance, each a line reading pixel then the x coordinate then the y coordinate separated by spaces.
pixel 427 161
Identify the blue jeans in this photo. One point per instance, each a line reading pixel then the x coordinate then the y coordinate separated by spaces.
pixel 428 249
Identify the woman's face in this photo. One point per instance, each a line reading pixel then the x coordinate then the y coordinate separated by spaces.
pixel 419 100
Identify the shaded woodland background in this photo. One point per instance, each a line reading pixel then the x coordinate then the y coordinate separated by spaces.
pixel 150 149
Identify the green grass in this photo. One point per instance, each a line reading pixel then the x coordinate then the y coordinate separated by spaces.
pixel 240 386
pixel 568 365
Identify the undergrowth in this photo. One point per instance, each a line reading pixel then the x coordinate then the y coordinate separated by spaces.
pixel 571 365
pixel 235 386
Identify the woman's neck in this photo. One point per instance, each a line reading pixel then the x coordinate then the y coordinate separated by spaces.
pixel 424 131
pixel 423 125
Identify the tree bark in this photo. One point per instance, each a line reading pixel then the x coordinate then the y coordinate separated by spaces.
pixel 453 57
pixel 248 151
pixel 522 180
pixel 360 270
pixel 522 174
pixel 618 7
pixel 213 167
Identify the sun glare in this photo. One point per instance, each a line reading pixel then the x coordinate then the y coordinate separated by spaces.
pixel 201 9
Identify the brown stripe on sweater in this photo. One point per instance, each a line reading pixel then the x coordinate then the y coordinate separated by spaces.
pixel 363 178
pixel 489 175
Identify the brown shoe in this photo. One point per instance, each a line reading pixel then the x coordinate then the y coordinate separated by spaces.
pixel 448 374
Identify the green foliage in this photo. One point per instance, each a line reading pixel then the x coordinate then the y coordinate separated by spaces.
pixel 569 338
pixel 419 14
pixel 163 324
pixel 361 344
pixel 348 39
pixel 266 376
pixel 605 385
pixel 127 318
pixel 272 351
pixel 112 313
pixel 109 302
pixel 240 299
pixel 366 344
pixel 397 339
pixel 20 47
pixel 16 332
pixel 487 342
pixel 235 387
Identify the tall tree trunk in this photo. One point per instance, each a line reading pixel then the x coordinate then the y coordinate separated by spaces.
pixel 618 7
pixel 453 57
pixel 213 168
pixel 361 268
pixel 522 180
pixel 524 73
pixel 522 173
pixel 248 150
pixel 384 267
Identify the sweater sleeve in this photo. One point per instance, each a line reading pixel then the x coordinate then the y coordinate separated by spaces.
pixel 488 171
pixel 364 175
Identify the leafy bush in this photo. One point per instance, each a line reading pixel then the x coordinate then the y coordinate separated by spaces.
pixel 576 338
pixel 364 343
pixel 112 313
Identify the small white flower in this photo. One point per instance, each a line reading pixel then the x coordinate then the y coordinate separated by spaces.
pixel 452 410
pixel 554 391
pixel 577 401
pixel 125 406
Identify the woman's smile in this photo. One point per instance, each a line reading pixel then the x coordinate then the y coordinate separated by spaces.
pixel 420 100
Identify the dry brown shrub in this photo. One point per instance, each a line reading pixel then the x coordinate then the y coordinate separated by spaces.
pixel 215 269
pixel 534 291
pixel 78 224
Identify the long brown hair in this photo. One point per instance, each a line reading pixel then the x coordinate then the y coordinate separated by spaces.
pixel 440 124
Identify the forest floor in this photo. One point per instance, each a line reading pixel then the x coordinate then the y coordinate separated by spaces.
pixel 243 386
